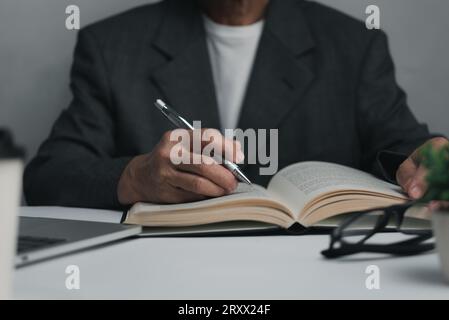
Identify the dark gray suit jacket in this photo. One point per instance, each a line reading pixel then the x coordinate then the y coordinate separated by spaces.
pixel 320 77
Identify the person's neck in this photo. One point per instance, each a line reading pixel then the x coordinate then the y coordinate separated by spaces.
pixel 234 12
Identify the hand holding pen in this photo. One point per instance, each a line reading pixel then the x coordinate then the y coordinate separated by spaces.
pixel 179 121
pixel 154 178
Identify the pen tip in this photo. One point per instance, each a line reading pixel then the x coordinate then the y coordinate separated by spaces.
pixel 245 179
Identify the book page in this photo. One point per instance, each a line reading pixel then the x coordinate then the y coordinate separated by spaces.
pixel 248 203
pixel 302 182
pixel 243 193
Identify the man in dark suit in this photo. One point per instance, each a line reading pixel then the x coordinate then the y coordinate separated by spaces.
pixel 318 76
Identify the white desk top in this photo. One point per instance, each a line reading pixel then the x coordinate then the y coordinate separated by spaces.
pixel 275 267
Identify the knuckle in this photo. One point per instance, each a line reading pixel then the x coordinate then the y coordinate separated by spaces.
pixel 162 182
pixel 197 184
pixel 237 145
pixel 207 134
pixel 162 154
pixel 440 141
pixel 166 136
pixel 230 183
pixel 164 174
pixel 215 135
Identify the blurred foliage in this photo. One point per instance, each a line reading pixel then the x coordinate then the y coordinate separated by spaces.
pixel 437 163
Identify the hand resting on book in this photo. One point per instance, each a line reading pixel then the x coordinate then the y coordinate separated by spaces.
pixel 155 178
pixel 411 175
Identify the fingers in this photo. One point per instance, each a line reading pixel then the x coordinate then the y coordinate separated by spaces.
pixel 208 142
pixel 217 174
pixel 418 186
pixel 439 142
pixel 215 144
pixel 412 178
pixel 196 184
pixel 405 173
pixel 198 163
pixel 208 168
pixel 178 195
pixel 411 175
pixel 179 169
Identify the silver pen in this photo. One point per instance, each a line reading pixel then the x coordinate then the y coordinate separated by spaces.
pixel 181 122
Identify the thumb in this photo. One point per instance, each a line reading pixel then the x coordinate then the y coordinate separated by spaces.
pixel 418 186
pixel 406 173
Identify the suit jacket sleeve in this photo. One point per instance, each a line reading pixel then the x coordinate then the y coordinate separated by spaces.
pixel 389 132
pixel 77 164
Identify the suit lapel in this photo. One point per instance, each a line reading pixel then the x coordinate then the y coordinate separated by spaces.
pixel 283 68
pixel 282 71
pixel 186 81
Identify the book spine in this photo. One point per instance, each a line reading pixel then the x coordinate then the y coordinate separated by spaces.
pixel 297 229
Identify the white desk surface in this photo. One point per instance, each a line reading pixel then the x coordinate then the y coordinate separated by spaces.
pixel 266 267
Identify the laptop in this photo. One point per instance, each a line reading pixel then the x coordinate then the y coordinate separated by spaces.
pixel 43 238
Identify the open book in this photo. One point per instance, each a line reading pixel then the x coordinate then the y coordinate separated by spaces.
pixel 304 194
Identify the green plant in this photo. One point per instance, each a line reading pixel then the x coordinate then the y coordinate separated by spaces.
pixel 437 163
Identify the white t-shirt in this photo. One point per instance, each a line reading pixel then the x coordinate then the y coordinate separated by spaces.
pixel 232 51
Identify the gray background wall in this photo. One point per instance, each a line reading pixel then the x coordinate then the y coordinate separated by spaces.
pixel 36 52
